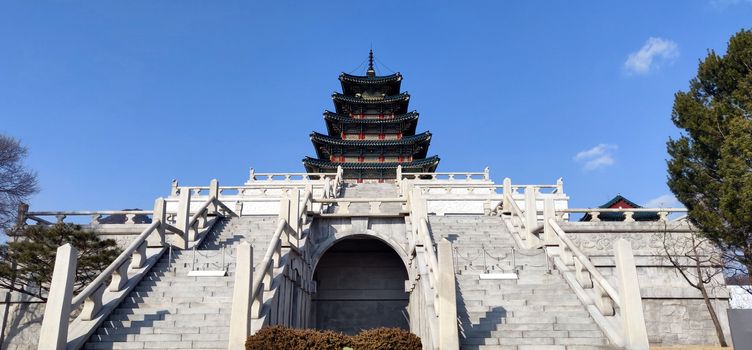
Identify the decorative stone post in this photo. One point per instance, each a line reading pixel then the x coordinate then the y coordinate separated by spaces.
pixel 214 193
pixel 549 212
pixel 448 334
pixel 54 331
pixel 633 318
pixel 506 205
pixel 157 238
pixel 531 215
pixel 183 218
pixel 240 316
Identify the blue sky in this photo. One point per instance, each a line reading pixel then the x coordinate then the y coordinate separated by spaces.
pixel 115 99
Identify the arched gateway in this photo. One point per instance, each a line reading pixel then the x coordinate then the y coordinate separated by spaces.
pixel 361 285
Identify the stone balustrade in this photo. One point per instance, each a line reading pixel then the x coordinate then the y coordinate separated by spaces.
pixel 342 206
pixel 100 296
pixel 663 213
pixel 95 217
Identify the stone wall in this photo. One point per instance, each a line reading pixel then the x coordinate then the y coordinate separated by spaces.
pixel 24 322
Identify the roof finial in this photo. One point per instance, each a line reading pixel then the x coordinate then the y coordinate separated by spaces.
pixel 370 72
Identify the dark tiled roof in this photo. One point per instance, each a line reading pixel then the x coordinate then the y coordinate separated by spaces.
pixel 402 97
pixel 430 161
pixel 407 140
pixel 411 116
pixel 641 216
pixel 362 79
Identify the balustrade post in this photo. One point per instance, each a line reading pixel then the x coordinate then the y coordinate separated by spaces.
pixel 506 204
pixel 560 185
pixel 549 213
pixel 174 188
pixel 295 222
pixel 183 217
pixel 486 173
pixel 399 174
pixel 531 215
pixel 54 331
pixel 594 216
pixel 284 213
pixel 449 337
pixel 633 317
pixel 213 208
pixel 23 210
pixel 242 298
pixel 157 238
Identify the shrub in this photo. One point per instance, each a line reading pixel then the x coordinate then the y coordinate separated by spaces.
pixel 279 337
pixel 385 338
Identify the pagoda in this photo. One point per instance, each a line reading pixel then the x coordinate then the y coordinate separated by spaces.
pixel 371 132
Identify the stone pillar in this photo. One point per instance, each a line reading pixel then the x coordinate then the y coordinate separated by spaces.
pixel 240 316
pixel 157 238
pixel 633 318
pixel 506 205
pixel 549 212
pixel 54 331
pixel 183 217
pixel 531 215
pixel 448 334
pixel 214 192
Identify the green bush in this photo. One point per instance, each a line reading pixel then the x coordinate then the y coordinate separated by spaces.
pixel 279 337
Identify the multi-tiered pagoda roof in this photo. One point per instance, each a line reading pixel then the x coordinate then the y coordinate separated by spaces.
pixel 371 132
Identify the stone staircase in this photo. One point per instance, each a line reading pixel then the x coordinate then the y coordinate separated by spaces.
pixel 536 311
pixel 169 310
pixel 371 190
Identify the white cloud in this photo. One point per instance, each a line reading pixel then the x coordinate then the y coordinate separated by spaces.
pixel 664 201
pixel 599 156
pixel 651 55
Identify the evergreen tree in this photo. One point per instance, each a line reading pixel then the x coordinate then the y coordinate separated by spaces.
pixel 34 256
pixel 710 169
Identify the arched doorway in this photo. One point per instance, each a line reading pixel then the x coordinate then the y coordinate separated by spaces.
pixel 360 285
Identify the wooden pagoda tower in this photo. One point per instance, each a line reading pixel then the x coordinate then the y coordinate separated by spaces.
pixel 371 132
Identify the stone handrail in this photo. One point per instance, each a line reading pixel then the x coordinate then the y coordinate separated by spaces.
pixel 115 279
pixel 632 331
pixel 628 212
pixel 523 222
pixel 262 280
pixel 287 177
pixel 135 254
pixel 571 254
pixel 96 216
pixel 448 176
pixel 248 294
pixel 439 270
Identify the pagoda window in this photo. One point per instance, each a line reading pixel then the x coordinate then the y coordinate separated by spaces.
pixel 341 159
pixel 361 159
pixel 361 136
pixel 381 136
pixel 381 158
pixel 399 136
pixel 344 135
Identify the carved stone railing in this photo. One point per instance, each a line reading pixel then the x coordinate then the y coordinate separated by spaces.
pixel 663 213
pixel 104 293
pixel 375 205
pixel 439 286
pixel 287 177
pixel 248 312
pixel 623 328
pixel 95 217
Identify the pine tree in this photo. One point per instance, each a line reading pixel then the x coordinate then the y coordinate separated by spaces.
pixel 34 256
pixel 710 169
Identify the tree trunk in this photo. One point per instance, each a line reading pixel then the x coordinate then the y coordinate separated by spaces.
pixel 713 315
